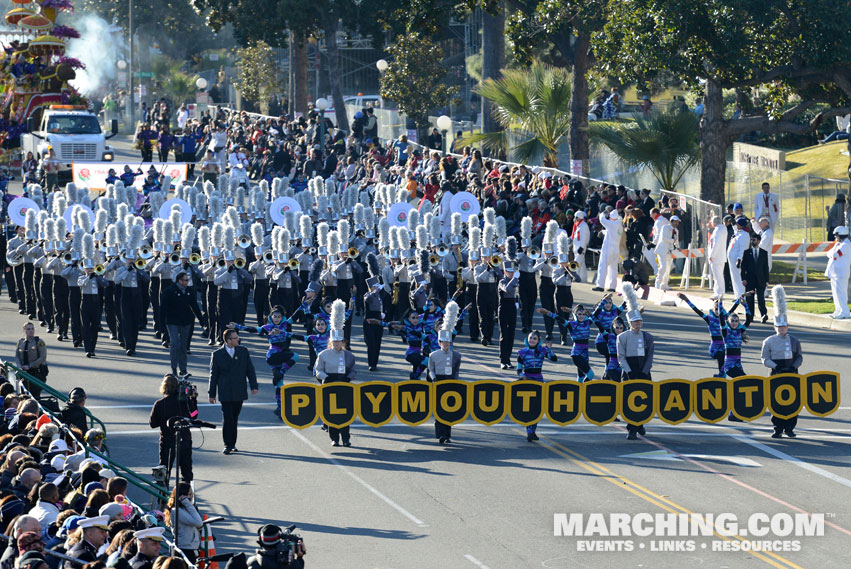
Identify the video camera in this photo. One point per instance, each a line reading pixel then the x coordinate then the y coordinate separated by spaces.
pixel 286 549
pixel 188 393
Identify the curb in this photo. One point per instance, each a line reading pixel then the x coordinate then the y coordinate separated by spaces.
pixel 662 298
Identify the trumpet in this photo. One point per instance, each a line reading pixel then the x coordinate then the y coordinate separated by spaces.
pixel 14 261
pixel 243 241
pixel 412 262
pixel 534 253
pixel 573 266
pixel 442 251
pixel 67 258
pixel 553 261
pixel 99 269
pixel 194 258
pixel 294 263
pixel 174 260
pixel 221 263
pixel 239 263
pixel 140 263
pixel 312 250
pixel 268 257
pixel 433 260
pixel 145 252
pixel 353 253
pixel 495 261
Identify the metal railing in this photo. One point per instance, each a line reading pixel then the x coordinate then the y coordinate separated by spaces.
pixel 17 377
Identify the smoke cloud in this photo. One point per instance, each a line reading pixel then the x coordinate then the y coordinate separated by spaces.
pixel 98 49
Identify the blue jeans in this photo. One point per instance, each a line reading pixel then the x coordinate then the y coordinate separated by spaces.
pixel 179 337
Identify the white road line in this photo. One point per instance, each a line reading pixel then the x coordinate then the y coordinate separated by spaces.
pixel 361 481
pixel 796 461
pixel 475 562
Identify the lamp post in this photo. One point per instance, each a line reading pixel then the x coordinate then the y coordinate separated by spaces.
pixel 201 83
pixel 321 105
pixel 444 123
pixel 381 65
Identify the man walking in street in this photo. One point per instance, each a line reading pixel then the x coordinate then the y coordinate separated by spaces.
pixel 230 367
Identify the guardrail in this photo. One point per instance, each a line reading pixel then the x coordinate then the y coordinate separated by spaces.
pixel 15 374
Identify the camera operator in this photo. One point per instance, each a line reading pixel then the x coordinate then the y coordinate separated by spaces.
pixel 278 550
pixel 179 400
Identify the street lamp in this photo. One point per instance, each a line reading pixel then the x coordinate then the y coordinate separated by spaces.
pixel 381 65
pixel 444 123
pixel 122 65
pixel 201 83
pixel 321 105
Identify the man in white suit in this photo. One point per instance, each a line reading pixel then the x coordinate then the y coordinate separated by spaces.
pixel 666 242
pixel 767 204
pixel 838 271
pixel 735 251
pixel 717 255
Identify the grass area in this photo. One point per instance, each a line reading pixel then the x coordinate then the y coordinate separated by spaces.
pixel 781 273
pixel 822 160
pixel 821 306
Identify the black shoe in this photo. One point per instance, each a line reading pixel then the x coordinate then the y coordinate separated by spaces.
pixel 211 343
pixel 131 352
pixel 21 311
pixel 158 335
pixel 527 331
pixel 790 433
pixel 632 436
pixel 324 427
pixel 549 338
pixel 166 345
pixel 77 344
pixel 59 337
pixel 277 412
pixel 734 419
pixel 441 440
pixel 641 430
pixel 50 329
pixel 448 441
pixel 485 341
pixel 505 366
pixel 113 337
pixel 373 368
pixel 778 434
pixel 764 318
pixel 234 449
pixel 122 344
pixel 474 340
pixel 227 450
pixel 188 352
pixel 90 354
pixel 347 444
pixel 532 437
pixel 597 289
pixel 335 443
pixel 563 342
pixel 610 290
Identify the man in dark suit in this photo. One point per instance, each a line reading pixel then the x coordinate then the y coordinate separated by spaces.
pixel 755 278
pixel 230 367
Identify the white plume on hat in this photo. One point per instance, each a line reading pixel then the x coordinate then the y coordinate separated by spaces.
pixel 413 220
pixel 187 238
pixel 204 238
pixel 338 319
pixel 305 226
pixel 384 241
pixel 633 309
pixel 472 221
pixel 778 298
pixel 257 234
pixel 333 244
pixel 563 244
pixel 526 228
pixel 450 320
pixel 475 239
pixel 422 237
pixel 551 231
pixel 344 231
pixel 455 224
pixel 322 231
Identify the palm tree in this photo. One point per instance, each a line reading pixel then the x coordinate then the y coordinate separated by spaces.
pixel 533 101
pixel 179 86
pixel 667 144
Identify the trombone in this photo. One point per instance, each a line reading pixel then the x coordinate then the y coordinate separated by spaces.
pixel 99 269
pixel 353 252
pixel 140 263
pixel 239 263
pixel 573 266
pixel 174 259
pixel 194 258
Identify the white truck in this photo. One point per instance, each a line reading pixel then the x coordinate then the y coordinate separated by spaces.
pixel 73 132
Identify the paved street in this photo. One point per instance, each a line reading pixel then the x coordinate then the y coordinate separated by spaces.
pixel 396 498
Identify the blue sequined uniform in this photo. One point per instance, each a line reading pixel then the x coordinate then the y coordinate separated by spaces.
pixel 530 362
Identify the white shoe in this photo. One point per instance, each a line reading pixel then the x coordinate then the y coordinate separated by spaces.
pixel 841 317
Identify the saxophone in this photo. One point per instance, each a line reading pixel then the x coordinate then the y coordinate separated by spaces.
pixel 395 300
pixel 459 280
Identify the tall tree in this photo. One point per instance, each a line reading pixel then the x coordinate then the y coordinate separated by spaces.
pixel 493 55
pixel 559 32
pixel 415 78
pixel 798 50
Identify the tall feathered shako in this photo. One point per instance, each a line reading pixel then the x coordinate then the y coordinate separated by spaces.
pixel 633 309
pixel 778 297
pixel 338 320
pixel 450 320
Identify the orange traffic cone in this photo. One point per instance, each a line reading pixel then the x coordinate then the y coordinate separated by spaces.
pixel 211 547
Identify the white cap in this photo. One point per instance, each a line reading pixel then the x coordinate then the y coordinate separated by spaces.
pixel 579 214
pixel 613 215
pixel 106 473
pixel 674 218
pixel 101 522
pixel 151 533
pixel 58 446
pixel 841 230
pixel 58 463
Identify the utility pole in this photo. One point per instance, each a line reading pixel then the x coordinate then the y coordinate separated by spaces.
pixel 132 92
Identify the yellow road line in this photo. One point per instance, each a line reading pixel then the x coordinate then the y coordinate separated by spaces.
pixel 649 496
